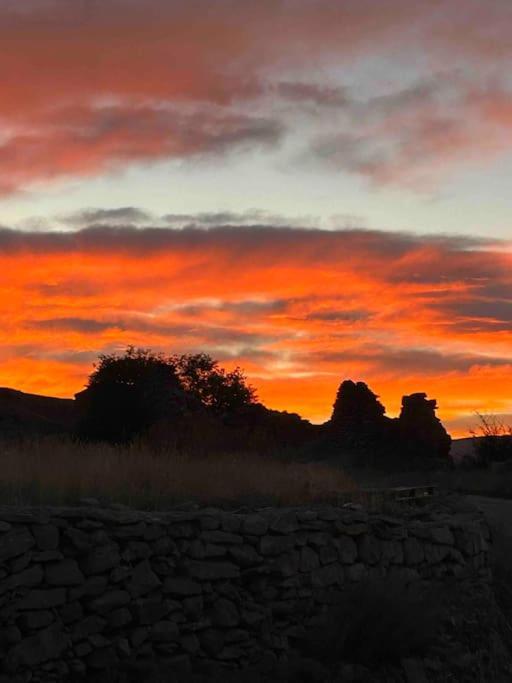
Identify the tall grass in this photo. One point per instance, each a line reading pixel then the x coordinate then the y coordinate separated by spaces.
pixel 60 471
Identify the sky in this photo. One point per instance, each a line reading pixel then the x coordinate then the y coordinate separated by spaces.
pixel 311 189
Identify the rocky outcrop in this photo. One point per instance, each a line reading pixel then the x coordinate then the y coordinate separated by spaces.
pixel 83 589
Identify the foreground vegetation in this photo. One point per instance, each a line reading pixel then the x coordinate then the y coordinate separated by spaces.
pixel 58 470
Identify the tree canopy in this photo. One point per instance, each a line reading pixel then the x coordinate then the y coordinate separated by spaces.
pixel 202 377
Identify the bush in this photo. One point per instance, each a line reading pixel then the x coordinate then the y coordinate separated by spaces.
pixel 492 440
pixel 377 622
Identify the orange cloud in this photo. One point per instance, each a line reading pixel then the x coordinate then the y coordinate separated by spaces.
pixel 299 309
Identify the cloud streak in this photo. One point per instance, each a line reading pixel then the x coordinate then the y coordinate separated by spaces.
pixel 310 307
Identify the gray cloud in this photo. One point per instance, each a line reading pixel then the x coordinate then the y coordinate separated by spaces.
pixel 393 359
pixel 122 215
pixel 212 334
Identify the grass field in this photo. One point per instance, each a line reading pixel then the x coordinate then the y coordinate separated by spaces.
pixel 59 471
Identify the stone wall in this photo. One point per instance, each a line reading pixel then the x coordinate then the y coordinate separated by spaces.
pixel 84 589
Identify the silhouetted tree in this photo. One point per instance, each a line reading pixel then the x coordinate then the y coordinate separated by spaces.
pixel 421 432
pixel 221 391
pixel 126 394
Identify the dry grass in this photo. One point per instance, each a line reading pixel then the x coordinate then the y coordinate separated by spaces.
pixel 58 471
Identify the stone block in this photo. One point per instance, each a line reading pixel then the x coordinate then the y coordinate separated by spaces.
pixel 47 536
pixel 368 548
pixel 181 586
pixel 31 621
pixel 276 545
pixel 63 573
pixel 309 559
pixel 255 525
pixel 347 549
pixel 225 613
pixel 86 627
pixel 164 632
pixel 213 571
pixel 221 537
pixel 109 601
pixel 43 599
pixel 413 552
pixel 15 542
pixel 49 643
pixel 101 559
pixel 143 580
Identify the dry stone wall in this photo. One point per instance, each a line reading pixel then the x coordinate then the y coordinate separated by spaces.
pixel 84 589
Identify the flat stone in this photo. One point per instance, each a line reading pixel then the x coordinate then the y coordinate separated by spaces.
pixel 212 641
pixel 356 572
pixel 222 537
pixel 88 626
pixel 328 554
pixel 164 631
pixel 212 571
pixel 94 585
pixel 71 612
pixel 255 525
pixel 47 536
pixel 413 551
pixel 276 545
pixel 128 531
pixel 49 643
pixel 285 523
pixel 119 618
pixel 18 564
pixel 43 599
pixel 352 529
pixel 82 650
pixel 151 610
pixel 190 643
pixel 225 613
pixel 414 671
pixel 286 565
pixel 101 559
pixel 102 658
pixel 327 576
pixel 27 578
pixel 244 555
pixel 369 549
pixel 109 601
pixel 193 607
pixel 308 559
pixel 32 621
pixel 143 580
pixel 442 535
pixel 48 556
pixel 347 549
pixel 64 573
pixel 181 586
pixel 15 542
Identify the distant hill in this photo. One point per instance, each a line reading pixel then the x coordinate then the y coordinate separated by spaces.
pixel 24 414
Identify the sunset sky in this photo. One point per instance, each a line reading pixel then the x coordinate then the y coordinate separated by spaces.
pixel 312 189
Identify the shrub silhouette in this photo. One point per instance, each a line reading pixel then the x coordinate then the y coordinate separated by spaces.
pixel 128 393
pixel 376 622
pixel 492 440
